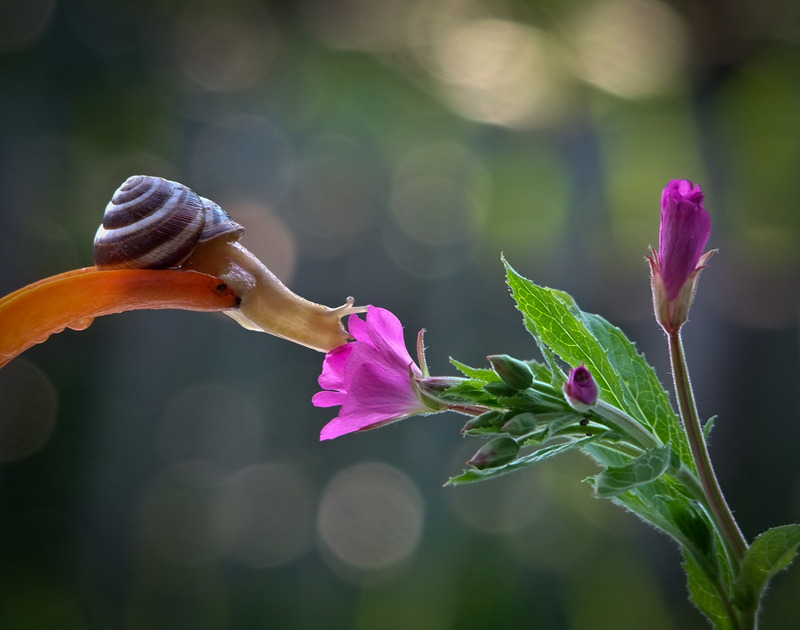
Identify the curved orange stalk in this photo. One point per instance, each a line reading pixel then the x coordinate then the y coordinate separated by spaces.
pixel 73 299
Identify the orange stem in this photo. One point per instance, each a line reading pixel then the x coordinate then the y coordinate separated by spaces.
pixel 73 299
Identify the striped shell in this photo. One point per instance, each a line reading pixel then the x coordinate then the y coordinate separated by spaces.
pixel 153 223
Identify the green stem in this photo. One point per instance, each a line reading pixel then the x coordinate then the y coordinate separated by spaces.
pixel 633 429
pixel 689 480
pixel 726 524
pixel 702 486
pixel 723 596
pixel 645 440
pixel 467 410
pixel 749 618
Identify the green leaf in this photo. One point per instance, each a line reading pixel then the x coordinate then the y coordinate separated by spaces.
pixel 479 374
pixel 557 377
pixel 770 553
pixel 560 421
pixel 693 523
pixel 469 392
pixel 537 456
pixel 708 426
pixel 535 401
pixel 644 469
pixel 706 597
pixel 624 377
pixel 643 395
pixel 540 371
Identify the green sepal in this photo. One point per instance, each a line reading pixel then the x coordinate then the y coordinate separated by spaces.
pixel 646 468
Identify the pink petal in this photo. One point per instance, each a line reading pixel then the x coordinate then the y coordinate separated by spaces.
pixel 328 399
pixel 374 390
pixel 386 334
pixel 376 398
pixel 334 367
pixel 338 427
pixel 386 331
pixel 357 327
pixel 685 229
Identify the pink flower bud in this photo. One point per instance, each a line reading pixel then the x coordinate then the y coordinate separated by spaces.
pixel 580 390
pixel 685 228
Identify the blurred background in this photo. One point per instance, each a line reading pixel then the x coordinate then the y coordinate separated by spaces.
pixel 163 469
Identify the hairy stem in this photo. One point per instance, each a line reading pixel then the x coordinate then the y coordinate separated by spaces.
pixel 645 440
pixel 631 427
pixel 728 528
pixel 467 410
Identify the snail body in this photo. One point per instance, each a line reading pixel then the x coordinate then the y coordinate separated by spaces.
pixel 153 223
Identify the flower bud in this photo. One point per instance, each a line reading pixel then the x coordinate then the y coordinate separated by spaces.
pixel 675 267
pixel 534 401
pixel 513 372
pixel 521 424
pixel 499 389
pixel 489 422
pixel 580 389
pixel 496 453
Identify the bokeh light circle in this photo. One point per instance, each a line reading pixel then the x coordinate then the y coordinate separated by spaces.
pixel 371 516
pixel 28 404
pixel 264 514
pixel 211 423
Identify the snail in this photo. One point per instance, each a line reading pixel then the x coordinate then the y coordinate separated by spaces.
pixel 154 223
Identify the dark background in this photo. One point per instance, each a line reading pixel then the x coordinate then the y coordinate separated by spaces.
pixel 163 469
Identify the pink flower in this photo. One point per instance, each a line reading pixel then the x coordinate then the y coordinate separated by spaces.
pixel 580 390
pixel 685 228
pixel 374 378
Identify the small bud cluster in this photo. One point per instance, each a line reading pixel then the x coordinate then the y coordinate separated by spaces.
pixel 523 411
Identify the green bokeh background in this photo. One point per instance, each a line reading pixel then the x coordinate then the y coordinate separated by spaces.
pixel 163 469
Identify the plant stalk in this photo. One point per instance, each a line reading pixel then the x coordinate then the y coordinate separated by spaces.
pixel 729 529
pixel 646 440
pixel 641 436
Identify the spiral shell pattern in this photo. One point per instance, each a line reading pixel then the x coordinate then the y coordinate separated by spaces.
pixel 154 223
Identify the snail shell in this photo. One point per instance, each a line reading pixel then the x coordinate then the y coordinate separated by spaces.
pixel 154 223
